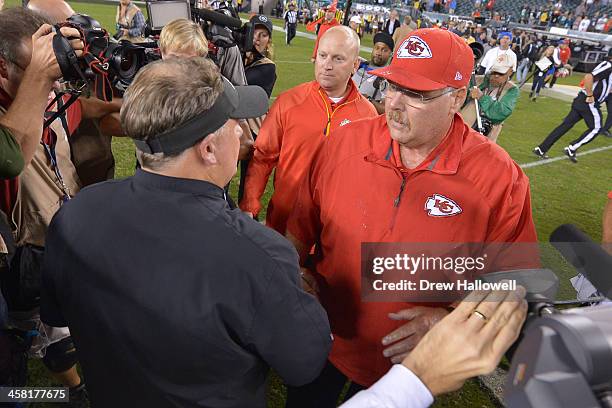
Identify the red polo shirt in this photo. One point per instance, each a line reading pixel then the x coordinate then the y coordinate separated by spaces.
pixel 357 192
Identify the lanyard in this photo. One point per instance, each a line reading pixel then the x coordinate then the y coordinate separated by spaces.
pixel 50 147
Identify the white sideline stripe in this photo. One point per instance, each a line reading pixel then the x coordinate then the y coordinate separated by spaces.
pixel 564 157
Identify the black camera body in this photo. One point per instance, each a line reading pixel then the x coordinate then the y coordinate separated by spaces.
pixel 110 65
pixel 223 27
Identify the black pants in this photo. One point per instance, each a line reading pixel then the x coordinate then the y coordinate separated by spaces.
pixel 538 81
pixel 323 392
pixel 291 29
pixel 591 114
pixel 608 123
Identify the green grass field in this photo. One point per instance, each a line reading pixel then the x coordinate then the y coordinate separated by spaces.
pixel 562 192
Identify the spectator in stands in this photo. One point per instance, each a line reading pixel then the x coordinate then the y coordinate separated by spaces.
pixel 601 23
pixel 585 22
pixel 505 39
pixel 392 23
pixel 130 22
pixel 524 16
pixel 482 38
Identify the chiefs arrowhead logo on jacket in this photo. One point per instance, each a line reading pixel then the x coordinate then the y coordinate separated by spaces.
pixel 414 47
pixel 440 206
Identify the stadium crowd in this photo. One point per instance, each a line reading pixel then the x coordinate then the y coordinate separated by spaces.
pixel 168 293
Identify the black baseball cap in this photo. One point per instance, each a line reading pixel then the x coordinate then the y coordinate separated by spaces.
pixel 236 102
pixel 260 19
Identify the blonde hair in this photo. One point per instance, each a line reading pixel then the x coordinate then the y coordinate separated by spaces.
pixel 183 35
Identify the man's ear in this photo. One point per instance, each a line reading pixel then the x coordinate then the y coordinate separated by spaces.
pixel 356 65
pixel 459 100
pixel 207 150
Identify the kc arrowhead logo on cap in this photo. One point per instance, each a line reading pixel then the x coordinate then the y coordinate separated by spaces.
pixel 414 47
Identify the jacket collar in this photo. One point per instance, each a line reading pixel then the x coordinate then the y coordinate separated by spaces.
pixel 351 95
pixel 181 185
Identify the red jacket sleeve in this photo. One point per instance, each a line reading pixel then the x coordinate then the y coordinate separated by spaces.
pixel 513 228
pixel 267 150
pixel 304 223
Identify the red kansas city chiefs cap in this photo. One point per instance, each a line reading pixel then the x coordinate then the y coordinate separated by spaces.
pixel 430 59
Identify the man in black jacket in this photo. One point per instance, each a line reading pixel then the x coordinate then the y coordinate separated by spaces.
pixel 173 298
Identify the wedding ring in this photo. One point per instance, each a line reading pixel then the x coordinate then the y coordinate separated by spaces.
pixel 482 316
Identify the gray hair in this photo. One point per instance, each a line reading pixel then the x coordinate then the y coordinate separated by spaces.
pixel 17 25
pixel 166 94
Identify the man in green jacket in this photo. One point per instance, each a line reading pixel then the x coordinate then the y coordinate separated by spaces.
pixel 496 96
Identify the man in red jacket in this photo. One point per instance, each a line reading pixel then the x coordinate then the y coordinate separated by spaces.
pixel 416 175
pixel 329 21
pixel 299 120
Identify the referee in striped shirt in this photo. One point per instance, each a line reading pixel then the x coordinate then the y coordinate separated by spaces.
pixel 585 106
pixel 290 23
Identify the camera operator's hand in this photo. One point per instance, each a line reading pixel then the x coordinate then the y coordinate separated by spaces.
pixel 43 61
pixel 466 344
pixel 476 93
pixel 421 320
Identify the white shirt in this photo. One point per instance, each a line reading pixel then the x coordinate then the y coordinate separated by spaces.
pixel 493 54
pixel 399 388
pixel 584 24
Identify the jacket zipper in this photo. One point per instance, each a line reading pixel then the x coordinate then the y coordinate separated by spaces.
pixel 330 116
pixel 397 201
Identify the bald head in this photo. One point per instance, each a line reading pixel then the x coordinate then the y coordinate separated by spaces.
pixel 55 11
pixel 342 37
pixel 337 60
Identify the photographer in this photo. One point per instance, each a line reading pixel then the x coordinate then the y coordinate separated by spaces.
pixel 130 22
pixel 90 145
pixel 496 96
pixel 50 180
pixel 261 71
pixel 259 68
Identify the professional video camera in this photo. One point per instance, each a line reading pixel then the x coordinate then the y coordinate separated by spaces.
pixel 110 65
pixel 563 358
pixel 223 27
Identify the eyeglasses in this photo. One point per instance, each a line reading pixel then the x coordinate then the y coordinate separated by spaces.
pixel 415 97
